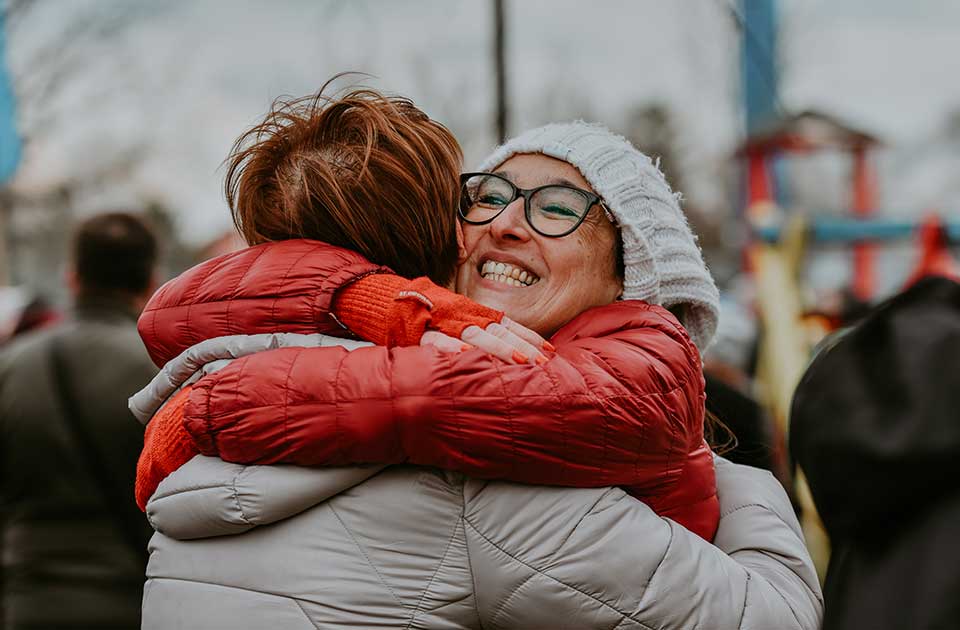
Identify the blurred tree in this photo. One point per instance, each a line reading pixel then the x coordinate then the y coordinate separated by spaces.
pixel 175 257
pixel 651 129
pixel 52 56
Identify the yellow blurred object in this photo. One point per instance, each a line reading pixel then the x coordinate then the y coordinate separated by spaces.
pixel 785 351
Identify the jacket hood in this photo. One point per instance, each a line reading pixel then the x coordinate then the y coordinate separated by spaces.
pixel 875 420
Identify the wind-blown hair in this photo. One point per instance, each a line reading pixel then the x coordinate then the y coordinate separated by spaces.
pixel 363 171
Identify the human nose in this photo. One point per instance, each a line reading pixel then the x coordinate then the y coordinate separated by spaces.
pixel 511 224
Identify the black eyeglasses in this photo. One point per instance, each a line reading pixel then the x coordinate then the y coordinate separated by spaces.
pixel 554 210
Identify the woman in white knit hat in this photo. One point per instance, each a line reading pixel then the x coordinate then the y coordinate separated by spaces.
pixel 568 217
pixel 574 233
pixel 638 219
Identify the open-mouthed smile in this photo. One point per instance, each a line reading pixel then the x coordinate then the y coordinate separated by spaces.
pixel 507 273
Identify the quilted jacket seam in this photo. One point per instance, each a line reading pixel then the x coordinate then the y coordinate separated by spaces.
pixel 653 574
pixel 236 588
pixel 558 404
pixel 337 406
pixel 453 410
pixel 781 519
pixel 750 505
pixel 236 498
pixel 236 288
pixel 473 577
pixel 153 333
pixel 304 612
pixel 363 552
pixel 510 421
pixel 680 447
pixel 746 598
pixel 182 491
pixel 426 589
pixel 787 603
pixel 674 326
pixel 606 412
pixel 189 301
pixel 208 420
pixel 558 581
pixel 397 425
pixel 516 591
pixel 286 399
pixel 573 529
pixel 283 280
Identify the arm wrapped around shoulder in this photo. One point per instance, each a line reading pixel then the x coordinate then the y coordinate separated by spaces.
pixel 620 403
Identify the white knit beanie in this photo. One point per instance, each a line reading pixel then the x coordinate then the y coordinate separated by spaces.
pixel 662 261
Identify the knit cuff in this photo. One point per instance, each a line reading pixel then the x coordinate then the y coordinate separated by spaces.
pixel 370 309
pixel 166 447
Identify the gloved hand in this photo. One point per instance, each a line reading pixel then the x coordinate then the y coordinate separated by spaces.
pixel 393 311
pixel 166 447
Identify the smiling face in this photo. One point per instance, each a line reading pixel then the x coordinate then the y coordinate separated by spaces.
pixel 538 281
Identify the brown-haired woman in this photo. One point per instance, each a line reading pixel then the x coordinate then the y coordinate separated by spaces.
pixel 420 547
pixel 364 172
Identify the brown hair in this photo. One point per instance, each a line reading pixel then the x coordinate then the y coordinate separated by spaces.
pixel 114 253
pixel 362 171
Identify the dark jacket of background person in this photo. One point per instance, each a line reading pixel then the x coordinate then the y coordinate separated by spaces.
pixel 66 561
pixel 876 428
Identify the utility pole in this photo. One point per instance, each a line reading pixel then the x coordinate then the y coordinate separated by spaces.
pixel 500 69
pixel 758 25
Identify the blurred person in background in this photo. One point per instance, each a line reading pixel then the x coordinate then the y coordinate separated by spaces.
pixel 37 314
pixel 875 427
pixel 357 546
pixel 72 541
pixel 22 310
pixel 729 384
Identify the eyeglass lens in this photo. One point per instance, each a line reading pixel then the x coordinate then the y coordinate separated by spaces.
pixel 553 209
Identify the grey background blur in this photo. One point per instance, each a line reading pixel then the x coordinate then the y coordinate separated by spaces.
pixel 126 104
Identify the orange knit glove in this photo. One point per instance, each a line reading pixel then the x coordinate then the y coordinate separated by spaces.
pixel 393 311
pixel 166 447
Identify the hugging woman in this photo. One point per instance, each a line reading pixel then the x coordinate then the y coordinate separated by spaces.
pixel 567 230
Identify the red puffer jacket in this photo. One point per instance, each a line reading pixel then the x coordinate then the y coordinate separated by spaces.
pixel 621 402
pixel 287 286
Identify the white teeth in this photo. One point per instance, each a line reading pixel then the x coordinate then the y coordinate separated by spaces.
pixel 508 274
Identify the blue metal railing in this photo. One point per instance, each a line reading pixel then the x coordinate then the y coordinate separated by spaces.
pixel 840 230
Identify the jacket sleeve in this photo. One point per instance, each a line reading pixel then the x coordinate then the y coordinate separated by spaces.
pixel 760 533
pixel 207 497
pixel 283 286
pixel 617 405
pixel 618 565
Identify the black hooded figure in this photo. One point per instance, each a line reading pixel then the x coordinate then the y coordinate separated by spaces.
pixel 876 428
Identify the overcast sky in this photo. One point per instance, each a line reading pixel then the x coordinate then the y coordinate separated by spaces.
pixel 165 95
